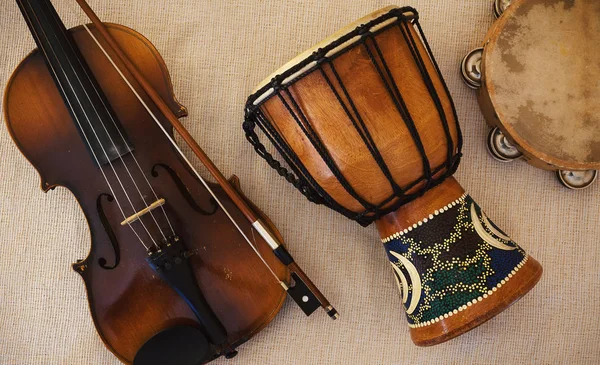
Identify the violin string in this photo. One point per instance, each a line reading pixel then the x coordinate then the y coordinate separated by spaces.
pixel 115 147
pixel 53 70
pixel 100 141
pixel 174 144
pixel 96 135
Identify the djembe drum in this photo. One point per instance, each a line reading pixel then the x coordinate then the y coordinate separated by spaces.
pixel 366 124
pixel 537 84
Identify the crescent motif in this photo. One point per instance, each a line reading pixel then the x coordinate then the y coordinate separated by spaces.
pixel 404 287
pixel 415 279
pixel 493 229
pixel 483 233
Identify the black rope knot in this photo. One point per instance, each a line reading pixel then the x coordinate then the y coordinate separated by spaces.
pixel 363 30
pixel 277 81
pixel 319 55
pixel 248 125
pixel 299 176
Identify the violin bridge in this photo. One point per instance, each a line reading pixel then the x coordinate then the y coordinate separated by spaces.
pixel 141 213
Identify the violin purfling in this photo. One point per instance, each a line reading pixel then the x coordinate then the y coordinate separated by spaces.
pixel 171 276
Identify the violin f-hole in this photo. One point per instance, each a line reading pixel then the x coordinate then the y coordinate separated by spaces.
pixel 183 189
pixel 109 232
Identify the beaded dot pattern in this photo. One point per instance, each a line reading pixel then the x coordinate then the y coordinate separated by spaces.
pixel 451 260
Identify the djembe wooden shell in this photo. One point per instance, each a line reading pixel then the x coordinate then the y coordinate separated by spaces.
pixel 366 124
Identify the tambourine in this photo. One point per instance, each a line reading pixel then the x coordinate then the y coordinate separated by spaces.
pixel 537 85
pixel 366 126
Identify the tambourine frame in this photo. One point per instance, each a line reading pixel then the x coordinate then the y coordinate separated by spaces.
pixel 494 117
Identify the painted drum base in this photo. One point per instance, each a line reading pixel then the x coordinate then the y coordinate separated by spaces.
pixel 463 321
pixel 454 267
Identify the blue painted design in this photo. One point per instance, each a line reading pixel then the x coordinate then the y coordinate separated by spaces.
pixel 457 260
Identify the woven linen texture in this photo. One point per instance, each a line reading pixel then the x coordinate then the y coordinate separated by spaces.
pixel 217 51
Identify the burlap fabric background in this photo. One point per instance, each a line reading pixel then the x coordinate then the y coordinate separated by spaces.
pixel 217 51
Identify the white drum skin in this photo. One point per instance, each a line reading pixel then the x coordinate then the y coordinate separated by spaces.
pixel 541 81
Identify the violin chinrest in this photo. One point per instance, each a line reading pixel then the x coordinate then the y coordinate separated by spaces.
pixel 181 345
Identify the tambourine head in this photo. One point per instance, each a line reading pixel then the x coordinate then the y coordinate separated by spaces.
pixel 539 73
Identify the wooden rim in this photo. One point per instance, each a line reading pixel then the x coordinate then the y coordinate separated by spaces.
pixel 340 33
pixel 495 117
pixel 477 314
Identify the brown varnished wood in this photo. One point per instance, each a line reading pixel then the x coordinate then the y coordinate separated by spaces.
pixel 129 304
pixel 168 113
pixel 393 138
pixel 235 182
pixel 414 211
pixel 325 113
pixel 172 118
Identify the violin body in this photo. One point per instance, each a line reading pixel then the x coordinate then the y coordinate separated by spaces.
pixel 128 300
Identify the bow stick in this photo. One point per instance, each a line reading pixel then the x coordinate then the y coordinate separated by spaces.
pixel 304 291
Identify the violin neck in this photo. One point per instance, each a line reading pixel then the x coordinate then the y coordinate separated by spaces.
pixel 95 120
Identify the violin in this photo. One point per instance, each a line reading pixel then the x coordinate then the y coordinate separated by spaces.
pixel 180 270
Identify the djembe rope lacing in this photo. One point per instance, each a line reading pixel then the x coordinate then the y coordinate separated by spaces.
pixel 299 176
